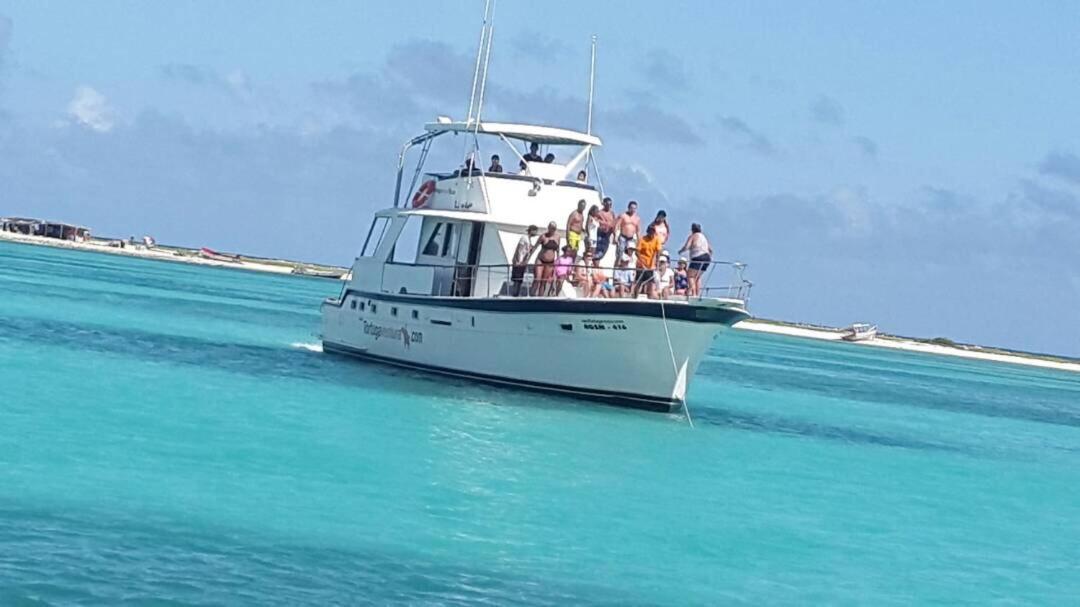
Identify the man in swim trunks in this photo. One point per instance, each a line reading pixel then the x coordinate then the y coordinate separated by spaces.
pixel 606 227
pixel 628 225
pixel 575 227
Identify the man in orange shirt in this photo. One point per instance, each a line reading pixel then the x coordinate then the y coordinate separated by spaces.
pixel 647 250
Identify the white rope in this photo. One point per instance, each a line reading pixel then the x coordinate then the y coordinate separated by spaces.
pixel 674 365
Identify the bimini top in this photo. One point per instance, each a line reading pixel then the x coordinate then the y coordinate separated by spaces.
pixel 549 135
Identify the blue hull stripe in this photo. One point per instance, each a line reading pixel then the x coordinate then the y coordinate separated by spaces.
pixel 648 308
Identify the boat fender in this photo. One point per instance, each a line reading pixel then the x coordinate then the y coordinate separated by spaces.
pixel 423 194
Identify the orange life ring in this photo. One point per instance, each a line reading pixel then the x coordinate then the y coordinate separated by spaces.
pixel 423 194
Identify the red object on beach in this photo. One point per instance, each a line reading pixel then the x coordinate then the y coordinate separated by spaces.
pixel 209 253
pixel 423 194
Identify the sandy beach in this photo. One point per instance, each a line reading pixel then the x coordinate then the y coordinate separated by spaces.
pixel 191 256
pixel 167 253
pixel 911 345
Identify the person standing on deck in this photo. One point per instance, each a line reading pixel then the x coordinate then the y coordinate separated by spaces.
pixel 663 230
pixel 648 250
pixel 628 225
pixel 592 230
pixel 522 253
pixel 544 271
pixel 575 226
pixel 606 227
pixel 700 251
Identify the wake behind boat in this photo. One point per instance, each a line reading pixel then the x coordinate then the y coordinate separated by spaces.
pixel 450 281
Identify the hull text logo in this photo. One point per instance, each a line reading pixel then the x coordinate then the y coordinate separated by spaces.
pixel 406 337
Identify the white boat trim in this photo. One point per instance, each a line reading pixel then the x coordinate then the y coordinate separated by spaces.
pixel 547 135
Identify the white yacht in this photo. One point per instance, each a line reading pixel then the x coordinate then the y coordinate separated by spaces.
pixel 432 288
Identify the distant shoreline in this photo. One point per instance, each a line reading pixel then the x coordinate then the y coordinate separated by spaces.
pixel 910 344
pixel 177 254
pixel 280 266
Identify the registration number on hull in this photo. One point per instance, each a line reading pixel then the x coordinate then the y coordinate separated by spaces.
pixel 603 325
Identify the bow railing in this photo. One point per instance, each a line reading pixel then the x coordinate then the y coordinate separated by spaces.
pixel 720 280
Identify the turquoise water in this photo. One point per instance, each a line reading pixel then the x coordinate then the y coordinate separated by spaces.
pixel 169 436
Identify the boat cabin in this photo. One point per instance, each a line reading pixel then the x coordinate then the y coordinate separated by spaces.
pixel 453 233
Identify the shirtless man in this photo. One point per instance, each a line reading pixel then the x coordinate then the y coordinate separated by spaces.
pixel 575 226
pixel 605 229
pixel 628 225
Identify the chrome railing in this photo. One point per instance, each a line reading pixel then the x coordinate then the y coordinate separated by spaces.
pixel 572 281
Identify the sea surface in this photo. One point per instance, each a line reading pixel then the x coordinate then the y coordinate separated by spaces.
pixel 172 435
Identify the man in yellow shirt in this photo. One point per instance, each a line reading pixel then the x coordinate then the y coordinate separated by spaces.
pixel 647 249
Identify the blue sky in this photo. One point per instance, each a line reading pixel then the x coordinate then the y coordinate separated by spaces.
pixel 912 164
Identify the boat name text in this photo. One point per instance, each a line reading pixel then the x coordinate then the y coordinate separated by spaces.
pixel 394 333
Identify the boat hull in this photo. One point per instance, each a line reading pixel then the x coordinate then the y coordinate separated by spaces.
pixel 859 336
pixel 614 351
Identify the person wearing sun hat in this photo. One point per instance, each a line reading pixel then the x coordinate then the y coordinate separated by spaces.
pixel 663 279
pixel 682 282
pixel 625 269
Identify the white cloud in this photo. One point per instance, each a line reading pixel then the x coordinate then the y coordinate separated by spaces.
pixel 90 109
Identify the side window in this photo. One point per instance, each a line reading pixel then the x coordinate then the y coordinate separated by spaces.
pixel 375 236
pixel 431 249
pixel 447 247
pixel 408 241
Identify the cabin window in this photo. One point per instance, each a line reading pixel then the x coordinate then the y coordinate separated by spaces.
pixel 353 304
pixel 442 241
pixel 408 242
pixel 446 248
pixel 415 315
pixel 434 243
pixel 393 311
pixel 361 306
pixel 375 236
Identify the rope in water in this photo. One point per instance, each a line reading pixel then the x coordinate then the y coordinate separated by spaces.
pixel 674 365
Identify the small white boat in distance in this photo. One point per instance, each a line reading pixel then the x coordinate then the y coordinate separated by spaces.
pixel 860 331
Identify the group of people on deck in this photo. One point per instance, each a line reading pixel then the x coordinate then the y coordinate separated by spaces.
pixel 642 266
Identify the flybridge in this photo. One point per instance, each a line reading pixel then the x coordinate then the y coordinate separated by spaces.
pixel 544 135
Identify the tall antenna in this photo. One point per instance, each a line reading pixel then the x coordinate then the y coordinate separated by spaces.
pixel 592 81
pixel 490 19
pixel 479 56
